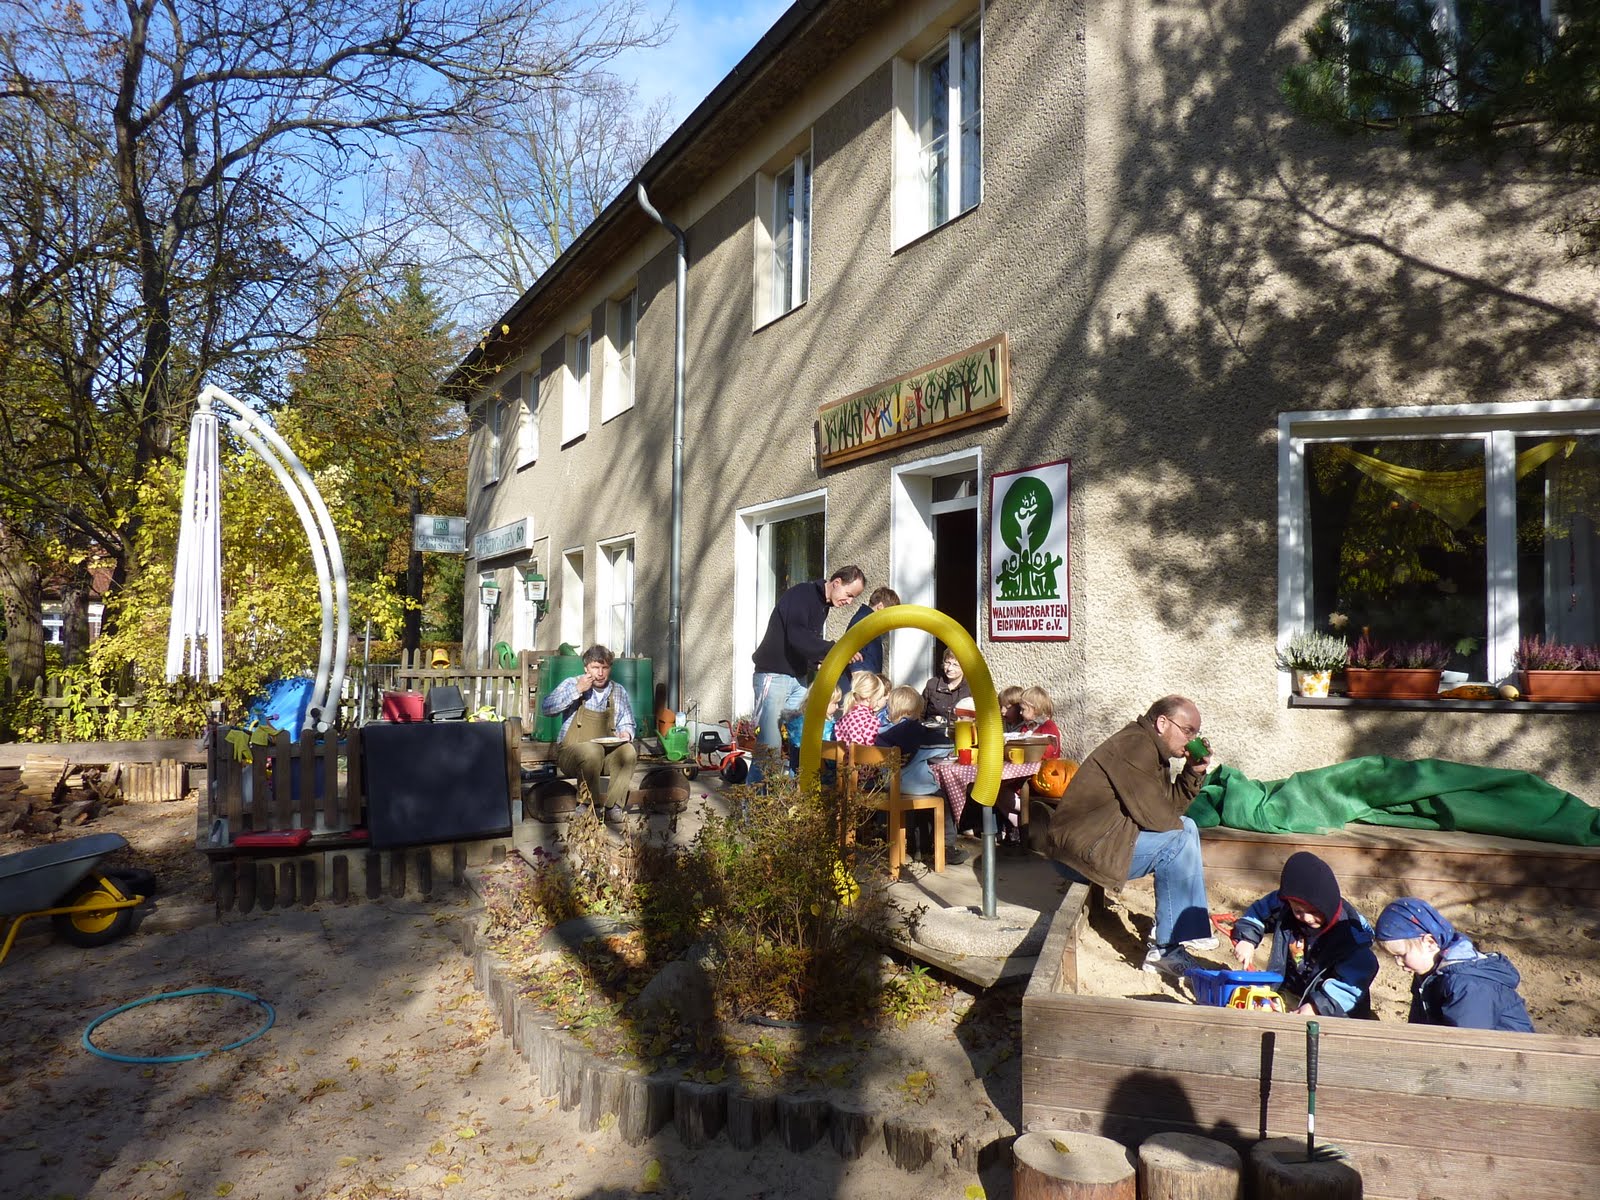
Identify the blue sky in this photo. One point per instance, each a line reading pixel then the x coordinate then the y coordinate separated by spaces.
pixel 711 36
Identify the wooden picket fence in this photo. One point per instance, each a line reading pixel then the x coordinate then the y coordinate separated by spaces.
pixel 511 692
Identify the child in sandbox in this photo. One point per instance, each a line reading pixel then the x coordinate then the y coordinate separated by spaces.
pixel 1320 944
pixel 1454 983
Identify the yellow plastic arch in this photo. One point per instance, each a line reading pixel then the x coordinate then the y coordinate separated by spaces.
pixel 991 733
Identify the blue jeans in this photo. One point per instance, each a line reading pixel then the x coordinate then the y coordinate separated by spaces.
pixel 1182 911
pixel 774 695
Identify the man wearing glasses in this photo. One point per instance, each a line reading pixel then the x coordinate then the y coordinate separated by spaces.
pixel 1121 818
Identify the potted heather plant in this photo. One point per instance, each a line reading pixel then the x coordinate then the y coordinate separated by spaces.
pixel 1558 671
pixel 1394 670
pixel 1312 658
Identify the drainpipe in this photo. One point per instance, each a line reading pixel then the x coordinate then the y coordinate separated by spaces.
pixel 675 584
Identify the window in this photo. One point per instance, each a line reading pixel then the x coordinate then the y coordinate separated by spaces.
pixel 1473 526
pixel 575 398
pixel 622 319
pixel 615 596
pixel 776 545
pixel 572 597
pixel 939 131
pixel 528 420
pixel 493 419
pixel 783 233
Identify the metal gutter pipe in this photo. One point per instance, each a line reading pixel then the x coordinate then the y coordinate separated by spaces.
pixel 675 585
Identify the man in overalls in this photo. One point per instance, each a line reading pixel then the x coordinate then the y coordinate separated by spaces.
pixel 597 730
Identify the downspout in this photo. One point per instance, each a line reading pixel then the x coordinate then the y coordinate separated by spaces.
pixel 675 584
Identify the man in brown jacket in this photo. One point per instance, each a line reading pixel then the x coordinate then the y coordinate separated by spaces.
pixel 1121 818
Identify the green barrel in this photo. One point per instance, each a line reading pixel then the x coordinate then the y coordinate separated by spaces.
pixel 637 677
pixel 553 670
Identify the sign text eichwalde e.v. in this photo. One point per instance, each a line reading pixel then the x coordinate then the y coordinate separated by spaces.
pixel 964 389
pixel 1030 587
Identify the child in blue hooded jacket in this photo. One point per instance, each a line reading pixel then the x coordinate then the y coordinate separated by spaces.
pixel 1454 983
pixel 1321 945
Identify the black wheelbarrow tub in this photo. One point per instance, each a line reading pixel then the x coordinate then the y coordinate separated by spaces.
pixel 36 879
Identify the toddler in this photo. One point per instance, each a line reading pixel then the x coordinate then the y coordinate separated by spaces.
pixel 1453 984
pixel 1321 945
pixel 859 722
pixel 795 725
pixel 1011 708
pixel 1038 713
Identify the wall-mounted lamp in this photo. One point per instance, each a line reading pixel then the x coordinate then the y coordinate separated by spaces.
pixel 535 589
pixel 488 590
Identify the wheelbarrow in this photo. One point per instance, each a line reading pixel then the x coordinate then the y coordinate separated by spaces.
pixel 86 905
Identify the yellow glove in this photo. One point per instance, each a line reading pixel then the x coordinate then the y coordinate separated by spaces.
pixel 239 740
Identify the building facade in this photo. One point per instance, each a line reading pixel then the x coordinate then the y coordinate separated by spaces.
pixel 1297 378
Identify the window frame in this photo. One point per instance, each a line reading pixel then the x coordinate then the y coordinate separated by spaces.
pixel 1497 425
pixel 493 421
pixel 606 592
pixel 915 210
pixel 577 391
pixel 777 233
pixel 617 393
pixel 528 419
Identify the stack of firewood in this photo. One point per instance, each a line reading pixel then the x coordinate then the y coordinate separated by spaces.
pixel 52 793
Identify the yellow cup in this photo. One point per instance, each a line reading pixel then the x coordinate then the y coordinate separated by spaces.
pixel 1016 754
pixel 965 733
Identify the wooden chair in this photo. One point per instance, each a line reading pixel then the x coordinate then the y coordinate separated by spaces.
pixel 851 759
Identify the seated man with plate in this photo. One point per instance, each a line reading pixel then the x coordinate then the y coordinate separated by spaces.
pixel 597 729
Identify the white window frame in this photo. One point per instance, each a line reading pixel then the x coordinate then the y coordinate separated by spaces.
pixel 622 340
pixel 1497 425
pixel 493 419
pixel 912 215
pixel 571 625
pixel 528 420
pixel 614 593
pixel 748 623
pixel 576 393
pixel 782 237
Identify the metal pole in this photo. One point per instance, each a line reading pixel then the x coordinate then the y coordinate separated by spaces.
pixel 988 862
pixel 675 578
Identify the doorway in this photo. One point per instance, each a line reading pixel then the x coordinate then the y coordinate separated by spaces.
pixel 935 552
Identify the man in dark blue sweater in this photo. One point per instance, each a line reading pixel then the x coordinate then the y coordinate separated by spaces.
pixel 792 647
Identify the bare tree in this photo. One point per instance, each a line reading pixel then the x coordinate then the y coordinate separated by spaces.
pixel 493 207
pixel 222 128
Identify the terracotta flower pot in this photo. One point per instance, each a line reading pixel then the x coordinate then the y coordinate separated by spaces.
pixel 1391 683
pixel 1572 686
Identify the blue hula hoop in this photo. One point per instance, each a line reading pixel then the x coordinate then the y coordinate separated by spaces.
pixel 88 1042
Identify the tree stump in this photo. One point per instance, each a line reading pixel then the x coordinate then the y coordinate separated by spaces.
pixel 1279 1171
pixel 1055 1164
pixel 849 1130
pixel 549 1065
pixel 310 892
pixel 1182 1166
pixel 910 1147
pixel 425 874
pixel 341 879
pixel 266 885
pixel 573 1060
pixel 801 1122
pixel 374 874
pixel 698 1111
pixel 224 884
pixel 286 881
pixel 601 1094
pixel 750 1119
pixel 247 886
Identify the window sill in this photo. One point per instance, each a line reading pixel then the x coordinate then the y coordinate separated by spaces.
pixel 1443 705
pixel 928 233
pixel 774 318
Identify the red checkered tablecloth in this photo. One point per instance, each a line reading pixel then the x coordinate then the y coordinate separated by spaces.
pixel 955 778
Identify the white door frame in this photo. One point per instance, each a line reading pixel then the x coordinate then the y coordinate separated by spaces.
pixel 911 513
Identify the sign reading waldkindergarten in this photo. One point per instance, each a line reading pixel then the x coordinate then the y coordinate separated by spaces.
pixel 964 389
pixel 1029 579
pixel 504 539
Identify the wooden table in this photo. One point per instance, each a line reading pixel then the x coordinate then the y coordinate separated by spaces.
pixel 956 777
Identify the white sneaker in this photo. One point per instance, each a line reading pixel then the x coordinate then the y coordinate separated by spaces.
pixel 1205 943
pixel 1174 962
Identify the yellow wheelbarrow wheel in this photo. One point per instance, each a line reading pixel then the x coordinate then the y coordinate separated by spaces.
pixel 99 914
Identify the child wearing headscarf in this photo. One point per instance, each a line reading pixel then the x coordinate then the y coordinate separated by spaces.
pixel 1320 944
pixel 1453 984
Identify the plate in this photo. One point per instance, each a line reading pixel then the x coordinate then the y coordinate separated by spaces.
pixel 608 741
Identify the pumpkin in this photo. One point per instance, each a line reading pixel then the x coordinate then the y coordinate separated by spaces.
pixel 1053 777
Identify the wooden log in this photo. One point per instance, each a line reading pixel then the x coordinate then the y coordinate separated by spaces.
pixel 397 873
pixel 1056 1164
pixel 549 1067
pixel 529 1034
pixel 801 1121
pixel 644 1107
pixel 341 878
pixel 425 874
pixel 910 1146
pixel 600 1095
pixel 850 1129
pixel 286 878
pixel 749 1120
pixel 374 874
pixel 247 886
pixel 1279 1171
pixel 699 1111
pixel 266 885
pixel 310 891
pixel 1185 1166
pixel 573 1061
pixel 458 865
pixel 224 885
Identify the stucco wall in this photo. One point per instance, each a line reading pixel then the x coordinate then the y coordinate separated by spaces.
pixel 1176 260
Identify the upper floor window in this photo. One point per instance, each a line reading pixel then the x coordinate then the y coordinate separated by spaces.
pixel 622 320
pixel 493 423
pixel 1472 526
pixel 528 421
pixel 783 234
pixel 938 129
pixel 575 395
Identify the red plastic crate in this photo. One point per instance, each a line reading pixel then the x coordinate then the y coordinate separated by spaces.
pixel 403 707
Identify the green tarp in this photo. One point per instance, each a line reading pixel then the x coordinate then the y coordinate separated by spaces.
pixel 1429 793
